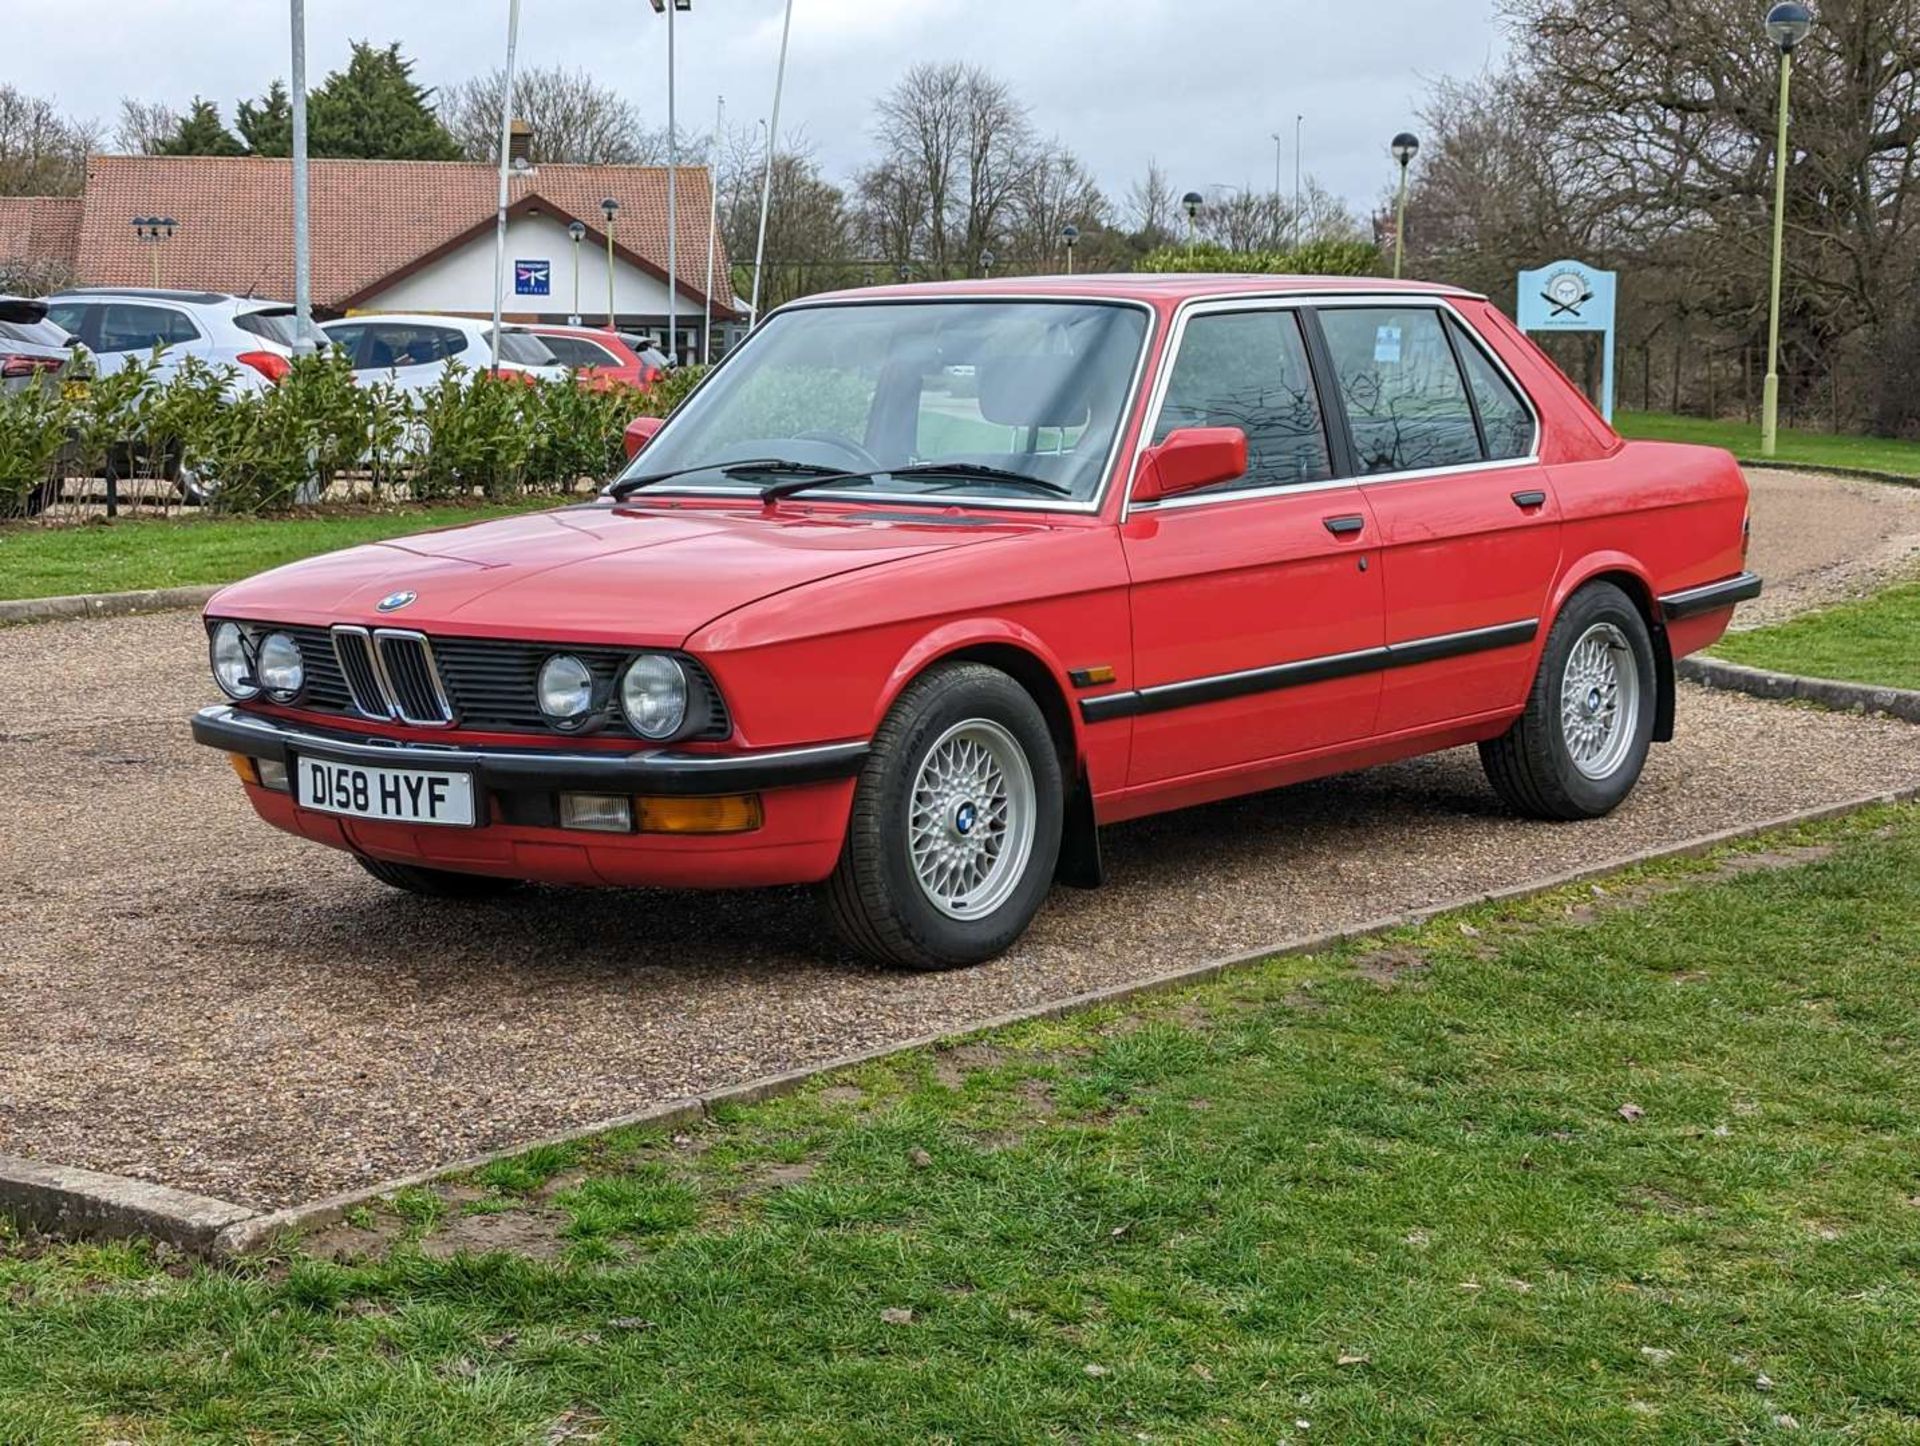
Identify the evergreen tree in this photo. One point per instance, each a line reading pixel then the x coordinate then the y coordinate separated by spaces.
pixel 201 133
pixel 373 110
pixel 267 126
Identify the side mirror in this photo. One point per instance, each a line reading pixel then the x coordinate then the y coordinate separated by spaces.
pixel 640 432
pixel 1189 459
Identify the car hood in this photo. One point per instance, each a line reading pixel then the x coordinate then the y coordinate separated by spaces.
pixel 627 575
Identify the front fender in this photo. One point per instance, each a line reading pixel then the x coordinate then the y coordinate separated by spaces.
pixel 963 634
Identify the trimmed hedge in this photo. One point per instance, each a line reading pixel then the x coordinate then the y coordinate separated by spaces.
pixel 1316 258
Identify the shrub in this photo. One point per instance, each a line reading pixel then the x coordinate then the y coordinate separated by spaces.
pixel 1315 258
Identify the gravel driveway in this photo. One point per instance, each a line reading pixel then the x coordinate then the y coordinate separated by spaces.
pixel 194 998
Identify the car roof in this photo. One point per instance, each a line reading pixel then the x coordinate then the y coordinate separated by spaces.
pixel 414 318
pixel 1155 288
pixel 243 304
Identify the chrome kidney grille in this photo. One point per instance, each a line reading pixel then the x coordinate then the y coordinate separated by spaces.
pixel 392 676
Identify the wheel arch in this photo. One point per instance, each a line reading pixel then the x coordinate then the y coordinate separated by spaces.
pixel 1022 656
pixel 1626 574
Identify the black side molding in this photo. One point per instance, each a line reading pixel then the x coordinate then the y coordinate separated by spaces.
pixel 658 771
pixel 1713 596
pixel 1166 696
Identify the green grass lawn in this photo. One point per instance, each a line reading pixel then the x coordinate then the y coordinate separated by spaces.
pixel 129 553
pixel 1875 640
pixel 1820 449
pixel 1620 1165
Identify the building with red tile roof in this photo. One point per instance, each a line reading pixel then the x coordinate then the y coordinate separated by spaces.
pixel 387 235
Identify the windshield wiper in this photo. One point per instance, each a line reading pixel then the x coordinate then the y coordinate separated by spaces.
pixel 752 466
pixel 918 469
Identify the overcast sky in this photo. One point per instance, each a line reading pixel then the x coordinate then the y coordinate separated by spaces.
pixel 1200 84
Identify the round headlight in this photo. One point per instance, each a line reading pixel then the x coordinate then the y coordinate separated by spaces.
pixel 279 667
pixel 566 690
pixel 654 695
pixel 233 662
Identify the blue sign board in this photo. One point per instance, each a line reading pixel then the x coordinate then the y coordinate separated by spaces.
pixel 533 278
pixel 1572 296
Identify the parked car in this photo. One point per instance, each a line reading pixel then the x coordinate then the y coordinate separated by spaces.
pixel 415 352
pixel 598 357
pixel 33 351
pixel 249 338
pixel 1192 537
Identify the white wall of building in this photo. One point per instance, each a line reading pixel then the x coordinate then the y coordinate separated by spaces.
pixel 462 281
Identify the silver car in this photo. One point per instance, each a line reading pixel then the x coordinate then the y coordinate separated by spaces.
pixel 33 350
pixel 251 340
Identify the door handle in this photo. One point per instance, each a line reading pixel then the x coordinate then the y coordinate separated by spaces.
pixel 1344 526
pixel 1529 500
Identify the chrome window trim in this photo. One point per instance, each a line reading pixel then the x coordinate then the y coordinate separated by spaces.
pixel 1090 507
pixel 1295 301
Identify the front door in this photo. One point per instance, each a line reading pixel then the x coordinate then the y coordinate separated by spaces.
pixel 1257 605
pixel 1468 523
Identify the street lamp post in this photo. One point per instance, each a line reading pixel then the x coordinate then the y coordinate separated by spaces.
pixel 1406 146
pixel 1070 234
pixel 1192 202
pixel 663 7
pixel 506 173
pixel 303 342
pixel 986 264
pixel 1298 122
pixel 713 226
pixel 1787 26
pixel 576 232
pixel 766 177
pixel 153 230
pixel 611 209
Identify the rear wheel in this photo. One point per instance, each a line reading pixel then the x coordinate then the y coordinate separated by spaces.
pixel 436 883
pixel 956 824
pixel 1580 746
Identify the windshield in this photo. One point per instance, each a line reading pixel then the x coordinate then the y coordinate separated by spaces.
pixel 1037 389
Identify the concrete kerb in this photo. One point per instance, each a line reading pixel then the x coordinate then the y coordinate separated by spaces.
pixel 1864 474
pixel 63 1201
pixel 1900 703
pixel 103 604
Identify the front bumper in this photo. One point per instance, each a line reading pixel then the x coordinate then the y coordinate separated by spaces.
pixel 806 795
pixel 659 771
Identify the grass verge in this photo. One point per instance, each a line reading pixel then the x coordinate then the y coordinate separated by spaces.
pixel 130 553
pixel 1619 1163
pixel 1818 449
pixel 1875 641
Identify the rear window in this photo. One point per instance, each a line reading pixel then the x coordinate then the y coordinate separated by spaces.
pixel 522 349
pixel 577 351
pixel 34 333
pixel 280 326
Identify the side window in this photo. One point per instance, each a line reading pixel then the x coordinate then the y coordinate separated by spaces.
pixel 1504 418
pixel 126 327
pixel 348 340
pixel 1248 369
pixel 402 344
pixel 1405 401
pixel 69 316
pixel 577 352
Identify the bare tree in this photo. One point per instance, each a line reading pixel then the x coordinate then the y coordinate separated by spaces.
pixel 574 119
pixel 1055 191
pixel 144 125
pixel 893 212
pixel 42 152
pixel 1153 210
pixel 922 133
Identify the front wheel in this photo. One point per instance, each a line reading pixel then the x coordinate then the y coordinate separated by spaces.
pixel 1579 747
pixel 956 824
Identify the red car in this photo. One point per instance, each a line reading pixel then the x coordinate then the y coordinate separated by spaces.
pixel 924 584
pixel 601 358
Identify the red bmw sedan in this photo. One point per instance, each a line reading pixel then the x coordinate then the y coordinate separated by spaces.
pixel 923 585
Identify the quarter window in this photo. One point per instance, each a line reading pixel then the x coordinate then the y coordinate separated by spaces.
pixel 1505 421
pixel 397 344
pixel 1249 370
pixel 1405 401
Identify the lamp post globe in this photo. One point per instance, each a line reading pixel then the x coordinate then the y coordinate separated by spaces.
pixel 986 263
pixel 1192 202
pixel 1070 234
pixel 1788 24
pixel 1406 146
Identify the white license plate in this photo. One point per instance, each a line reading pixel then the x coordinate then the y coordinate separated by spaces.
pixel 392 795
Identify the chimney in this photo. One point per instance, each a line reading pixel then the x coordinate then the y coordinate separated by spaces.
pixel 520 144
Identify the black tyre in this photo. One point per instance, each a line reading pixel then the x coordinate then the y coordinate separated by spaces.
pixel 436 883
pixel 956 824
pixel 1579 747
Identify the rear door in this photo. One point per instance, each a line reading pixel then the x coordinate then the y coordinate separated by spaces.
pixel 1446 446
pixel 1257 604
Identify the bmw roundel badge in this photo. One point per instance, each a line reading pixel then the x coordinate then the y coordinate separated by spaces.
pixel 394 601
